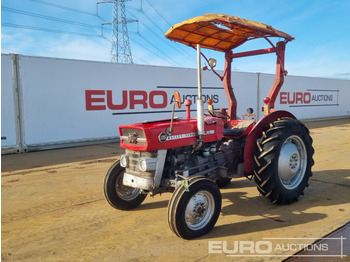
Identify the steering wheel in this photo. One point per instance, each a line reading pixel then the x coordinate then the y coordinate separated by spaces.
pixel 219 114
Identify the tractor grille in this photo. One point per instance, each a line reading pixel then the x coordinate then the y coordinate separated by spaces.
pixel 132 136
pixel 134 157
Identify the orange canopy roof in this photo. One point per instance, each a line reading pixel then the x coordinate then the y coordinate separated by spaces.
pixel 220 32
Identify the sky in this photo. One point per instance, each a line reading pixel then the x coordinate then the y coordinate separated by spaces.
pixel 73 30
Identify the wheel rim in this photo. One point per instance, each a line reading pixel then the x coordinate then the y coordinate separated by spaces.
pixel 292 162
pixel 199 210
pixel 125 192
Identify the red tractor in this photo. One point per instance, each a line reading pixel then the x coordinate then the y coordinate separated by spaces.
pixel 192 157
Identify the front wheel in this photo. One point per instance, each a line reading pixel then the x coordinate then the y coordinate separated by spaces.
pixel 283 161
pixel 120 196
pixel 194 208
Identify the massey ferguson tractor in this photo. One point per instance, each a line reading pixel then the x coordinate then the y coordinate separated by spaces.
pixel 191 157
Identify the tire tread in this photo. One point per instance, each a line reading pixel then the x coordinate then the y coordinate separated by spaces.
pixel 266 158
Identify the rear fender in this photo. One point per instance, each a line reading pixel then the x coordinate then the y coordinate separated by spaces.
pixel 256 133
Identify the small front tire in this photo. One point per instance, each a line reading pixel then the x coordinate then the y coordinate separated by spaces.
pixel 194 208
pixel 120 196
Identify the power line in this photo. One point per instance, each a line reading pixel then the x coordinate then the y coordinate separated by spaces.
pixel 47 30
pixel 150 29
pixel 55 19
pixel 154 23
pixel 159 50
pixel 62 31
pixel 157 35
pixel 137 57
pixel 149 50
pixel 121 42
pixel 64 7
pixel 17 11
pixel 159 13
pixel 161 30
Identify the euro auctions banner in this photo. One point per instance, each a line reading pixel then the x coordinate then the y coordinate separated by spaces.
pixel 155 94
pixel 64 101
pixel 308 97
pixel 71 100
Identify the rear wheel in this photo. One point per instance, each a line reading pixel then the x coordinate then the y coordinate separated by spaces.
pixel 120 196
pixel 283 161
pixel 194 208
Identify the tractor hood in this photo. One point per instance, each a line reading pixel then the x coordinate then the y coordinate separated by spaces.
pixel 153 135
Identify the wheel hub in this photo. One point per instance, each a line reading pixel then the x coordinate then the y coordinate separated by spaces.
pixel 289 161
pixel 292 162
pixel 196 208
pixel 199 210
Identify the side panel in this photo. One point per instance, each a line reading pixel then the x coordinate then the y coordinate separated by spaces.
pixel 309 97
pixel 67 101
pixel 54 101
pixel 8 112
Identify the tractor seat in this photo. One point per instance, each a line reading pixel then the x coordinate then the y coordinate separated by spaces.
pixel 238 129
pixel 233 131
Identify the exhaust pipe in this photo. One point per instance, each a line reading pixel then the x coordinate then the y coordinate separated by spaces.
pixel 200 109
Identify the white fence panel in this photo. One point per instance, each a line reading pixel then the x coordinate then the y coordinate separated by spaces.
pixel 310 98
pixel 245 87
pixel 67 101
pixel 54 100
pixel 8 114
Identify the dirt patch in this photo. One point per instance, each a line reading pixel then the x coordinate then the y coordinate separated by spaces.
pixel 57 212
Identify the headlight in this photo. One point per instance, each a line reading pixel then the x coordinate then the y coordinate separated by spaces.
pixel 147 164
pixel 124 160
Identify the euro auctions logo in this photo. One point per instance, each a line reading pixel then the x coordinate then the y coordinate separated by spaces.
pixel 280 247
pixel 103 99
pixel 312 97
pixel 133 101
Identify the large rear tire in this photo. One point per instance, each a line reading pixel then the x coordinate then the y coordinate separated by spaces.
pixel 283 161
pixel 194 208
pixel 120 196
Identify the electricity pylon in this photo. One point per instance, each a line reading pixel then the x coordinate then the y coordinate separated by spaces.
pixel 120 51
